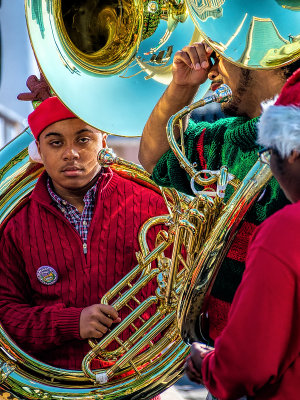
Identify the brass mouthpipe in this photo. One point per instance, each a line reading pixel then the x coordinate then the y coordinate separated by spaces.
pixel 222 94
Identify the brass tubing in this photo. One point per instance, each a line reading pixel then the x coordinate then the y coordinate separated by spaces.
pixel 137 269
pixel 223 93
pixel 183 224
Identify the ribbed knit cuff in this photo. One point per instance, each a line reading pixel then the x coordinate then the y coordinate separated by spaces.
pixel 68 322
pixel 160 173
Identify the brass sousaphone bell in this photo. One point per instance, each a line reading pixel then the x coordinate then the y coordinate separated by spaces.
pixel 109 61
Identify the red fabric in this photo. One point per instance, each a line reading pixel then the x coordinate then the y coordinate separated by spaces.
pixel 217 311
pixel 44 320
pixel 200 150
pixel 258 353
pixel 290 93
pixel 48 112
pixel 238 249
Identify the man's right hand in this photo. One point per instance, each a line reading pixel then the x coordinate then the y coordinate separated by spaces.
pixel 95 320
pixel 192 64
pixel 191 67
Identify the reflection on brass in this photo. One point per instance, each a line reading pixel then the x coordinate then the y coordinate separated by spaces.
pixel 208 8
pixel 104 36
pixel 284 54
pixel 82 46
pixel 251 35
pixel 289 4
pixel 98 33
pixel 265 29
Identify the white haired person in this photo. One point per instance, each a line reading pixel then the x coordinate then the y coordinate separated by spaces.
pixel 258 353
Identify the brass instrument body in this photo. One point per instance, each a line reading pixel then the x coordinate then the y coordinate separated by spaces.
pixel 156 364
pixel 88 49
pixel 204 267
pixel 253 34
pixel 207 263
pixel 29 378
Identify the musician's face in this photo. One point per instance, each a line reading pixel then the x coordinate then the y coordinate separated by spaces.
pixel 237 79
pixel 249 87
pixel 69 150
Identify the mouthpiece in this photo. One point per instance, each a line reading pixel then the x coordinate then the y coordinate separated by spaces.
pixel 223 94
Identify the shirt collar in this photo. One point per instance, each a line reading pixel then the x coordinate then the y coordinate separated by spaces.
pixel 89 196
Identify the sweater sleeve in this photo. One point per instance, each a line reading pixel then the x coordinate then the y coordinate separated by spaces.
pixel 255 347
pixel 168 172
pixel 34 328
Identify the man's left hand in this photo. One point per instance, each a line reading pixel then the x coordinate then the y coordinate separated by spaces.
pixel 194 362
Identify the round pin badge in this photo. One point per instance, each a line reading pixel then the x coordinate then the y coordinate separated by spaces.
pixel 47 275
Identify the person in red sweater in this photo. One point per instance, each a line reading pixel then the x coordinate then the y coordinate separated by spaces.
pixel 258 353
pixel 73 240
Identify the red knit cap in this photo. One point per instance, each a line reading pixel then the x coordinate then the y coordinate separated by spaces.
pixel 48 112
pixel 279 124
pixel 290 93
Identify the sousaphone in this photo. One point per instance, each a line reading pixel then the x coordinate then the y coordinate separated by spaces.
pixel 89 51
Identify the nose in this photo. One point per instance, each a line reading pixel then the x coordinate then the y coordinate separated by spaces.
pixel 213 72
pixel 70 153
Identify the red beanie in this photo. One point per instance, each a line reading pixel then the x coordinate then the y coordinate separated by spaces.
pixel 279 124
pixel 290 93
pixel 48 112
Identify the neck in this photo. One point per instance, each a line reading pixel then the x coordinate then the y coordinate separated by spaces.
pixel 75 196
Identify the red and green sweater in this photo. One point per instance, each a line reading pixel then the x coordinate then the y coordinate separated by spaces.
pixel 230 142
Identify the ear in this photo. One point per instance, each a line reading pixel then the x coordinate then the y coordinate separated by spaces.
pixel 37 142
pixel 294 157
pixel 34 153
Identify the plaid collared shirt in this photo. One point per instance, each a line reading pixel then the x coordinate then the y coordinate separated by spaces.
pixel 81 222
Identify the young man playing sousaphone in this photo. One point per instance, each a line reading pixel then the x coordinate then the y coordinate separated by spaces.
pixel 230 141
pixel 258 353
pixel 71 242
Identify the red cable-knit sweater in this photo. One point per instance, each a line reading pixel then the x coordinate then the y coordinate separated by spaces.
pixel 44 320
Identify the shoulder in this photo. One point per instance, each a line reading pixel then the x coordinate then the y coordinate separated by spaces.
pixel 285 218
pixel 15 220
pixel 278 234
pixel 211 129
pixel 147 193
pixel 144 188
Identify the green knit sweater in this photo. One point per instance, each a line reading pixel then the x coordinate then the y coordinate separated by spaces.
pixel 230 142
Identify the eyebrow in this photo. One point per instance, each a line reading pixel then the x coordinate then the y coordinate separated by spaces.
pixel 77 133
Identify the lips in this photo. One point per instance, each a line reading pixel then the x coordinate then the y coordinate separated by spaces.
pixel 71 170
pixel 215 85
